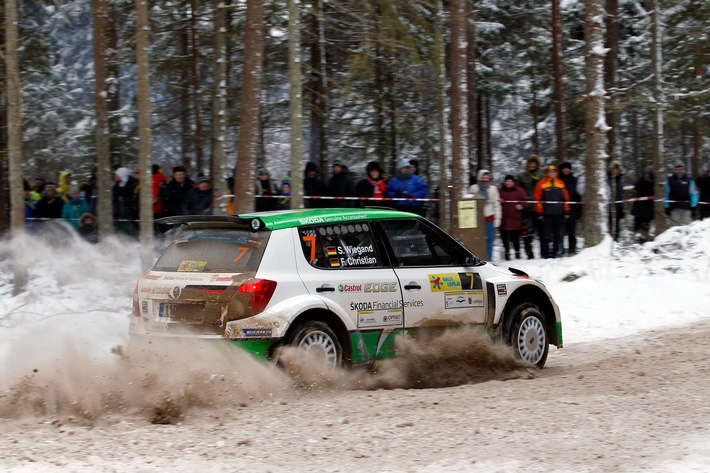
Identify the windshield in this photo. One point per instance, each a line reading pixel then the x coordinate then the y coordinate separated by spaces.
pixel 214 250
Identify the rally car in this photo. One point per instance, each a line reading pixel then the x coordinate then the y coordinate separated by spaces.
pixel 340 283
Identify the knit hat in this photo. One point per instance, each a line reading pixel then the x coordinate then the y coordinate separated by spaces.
pixel 509 177
pixel 373 166
pixel 179 169
pixel 679 165
pixel 402 163
pixel 73 190
pixel 203 179
pixel 123 174
pixel 551 167
pixel 565 165
pixel 311 166
pixel 337 163
pixel 155 169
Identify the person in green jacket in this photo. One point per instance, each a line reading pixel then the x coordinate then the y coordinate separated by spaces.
pixel 75 207
pixel 528 179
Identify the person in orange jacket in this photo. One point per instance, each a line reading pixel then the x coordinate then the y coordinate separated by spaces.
pixel 552 210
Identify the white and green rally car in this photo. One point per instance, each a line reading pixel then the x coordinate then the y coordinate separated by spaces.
pixel 341 282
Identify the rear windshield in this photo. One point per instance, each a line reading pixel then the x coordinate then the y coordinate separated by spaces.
pixel 214 250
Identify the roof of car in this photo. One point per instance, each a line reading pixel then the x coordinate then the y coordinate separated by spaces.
pixel 277 220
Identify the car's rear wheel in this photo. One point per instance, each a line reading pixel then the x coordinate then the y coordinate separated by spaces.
pixel 529 336
pixel 318 340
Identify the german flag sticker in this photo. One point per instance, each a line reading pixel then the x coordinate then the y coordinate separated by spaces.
pixel 332 251
pixel 334 263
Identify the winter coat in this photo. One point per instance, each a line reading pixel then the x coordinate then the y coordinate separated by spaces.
pixel 552 197
pixel 198 202
pixel 159 182
pixel 512 218
pixel 643 209
pixel 492 207
pixel 174 195
pixel 615 187
pixel 64 185
pixel 703 186
pixel 570 181
pixel 314 187
pixel 369 187
pixel 125 199
pixel 49 207
pixel 682 190
pixel 341 185
pixel 528 180
pixel 413 187
pixel 265 187
pixel 73 210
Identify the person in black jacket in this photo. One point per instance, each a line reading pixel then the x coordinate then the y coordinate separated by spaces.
pixel 313 186
pixel 341 185
pixel 125 202
pixel 50 205
pixel 570 225
pixel 615 185
pixel 175 192
pixel 703 185
pixel 372 185
pixel 642 210
pixel 199 198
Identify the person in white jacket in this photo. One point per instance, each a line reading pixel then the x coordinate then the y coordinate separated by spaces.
pixel 491 209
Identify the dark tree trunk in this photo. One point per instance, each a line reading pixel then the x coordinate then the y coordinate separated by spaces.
pixel 610 72
pixel 558 80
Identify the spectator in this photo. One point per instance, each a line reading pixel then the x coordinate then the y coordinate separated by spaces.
pixel 30 205
pixel 125 202
pixel 37 188
pixel 570 225
pixel 372 186
pixel 50 205
pixel 406 185
pixel 642 210
pixel 512 204
pixel 681 196
pixel 159 183
pixel 528 180
pixel 552 210
pixel 266 190
pixel 703 185
pixel 341 185
pixel 87 228
pixel 284 203
pixel 415 166
pixel 491 207
pixel 175 193
pixel 199 198
pixel 616 196
pixel 313 186
pixel 75 207
pixel 64 185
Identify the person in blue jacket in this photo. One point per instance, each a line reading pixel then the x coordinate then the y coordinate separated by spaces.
pixel 406 184
pixel 681 196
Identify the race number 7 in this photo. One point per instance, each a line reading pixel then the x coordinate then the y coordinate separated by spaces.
pixel 312 240
pixel 242 250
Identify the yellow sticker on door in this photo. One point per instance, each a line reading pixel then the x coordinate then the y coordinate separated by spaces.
pixel 454 282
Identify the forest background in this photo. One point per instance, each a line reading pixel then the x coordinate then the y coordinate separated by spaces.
pixel 230 85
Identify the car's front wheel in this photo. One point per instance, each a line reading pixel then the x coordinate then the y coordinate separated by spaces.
pixel 528 336
pixel 317 339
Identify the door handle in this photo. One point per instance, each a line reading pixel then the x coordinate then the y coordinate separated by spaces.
pixel 325 289
pixel 412 286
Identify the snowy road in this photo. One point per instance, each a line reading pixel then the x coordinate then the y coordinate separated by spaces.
pixel 633 404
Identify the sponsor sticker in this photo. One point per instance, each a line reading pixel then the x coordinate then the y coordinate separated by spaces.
pixel 350 288
pixel 502 289
pixel 192 266
pixel 144 307
pixel 256 332
pixel 380 318
pixel 463 299
pixel 454 282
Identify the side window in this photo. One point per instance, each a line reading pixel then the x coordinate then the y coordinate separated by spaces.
pixel 340 246
pixel 416 244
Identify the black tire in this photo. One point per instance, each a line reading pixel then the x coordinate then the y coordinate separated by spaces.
pixel 318 338
pixel 528 336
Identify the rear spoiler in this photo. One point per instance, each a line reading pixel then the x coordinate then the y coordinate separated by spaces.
pixel 166 223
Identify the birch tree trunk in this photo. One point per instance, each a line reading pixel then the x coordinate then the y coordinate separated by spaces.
pixel 319 89
pixel 610 72
pixel 219 102
pixel 14 142
pixel 195 87
pixel 658 106
pixel 249 122
pixel 459 109
pixel 103 148
pixel 295 102
pixel 558 76
pixel 440 68
pixel 144 132
pixel 474 154
pixel 4 181
pixel 595 195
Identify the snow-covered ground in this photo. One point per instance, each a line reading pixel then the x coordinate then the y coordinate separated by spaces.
pixel 80 296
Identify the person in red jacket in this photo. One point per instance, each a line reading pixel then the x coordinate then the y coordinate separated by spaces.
pixel 552 211
pixel 512 199
pixel 159 182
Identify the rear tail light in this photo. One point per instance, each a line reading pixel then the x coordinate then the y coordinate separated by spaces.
pixel 136 309
pixel 259 292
